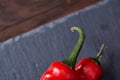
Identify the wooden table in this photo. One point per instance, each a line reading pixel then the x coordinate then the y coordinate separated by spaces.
pixel 19 16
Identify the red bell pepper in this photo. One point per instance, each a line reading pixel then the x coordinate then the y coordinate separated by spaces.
pixel 90 68
pixel 86 69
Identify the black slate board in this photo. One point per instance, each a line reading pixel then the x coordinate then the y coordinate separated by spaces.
pixel 29 57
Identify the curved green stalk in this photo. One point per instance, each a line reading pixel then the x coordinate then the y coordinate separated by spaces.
pixel 71 59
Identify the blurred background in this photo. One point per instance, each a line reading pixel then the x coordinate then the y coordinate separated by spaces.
pixel 26 56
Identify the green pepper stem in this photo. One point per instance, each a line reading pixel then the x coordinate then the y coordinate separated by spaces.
pixel 99 55
pixel 71 59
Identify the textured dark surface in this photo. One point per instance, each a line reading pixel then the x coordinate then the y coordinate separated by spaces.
pixel 29 57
